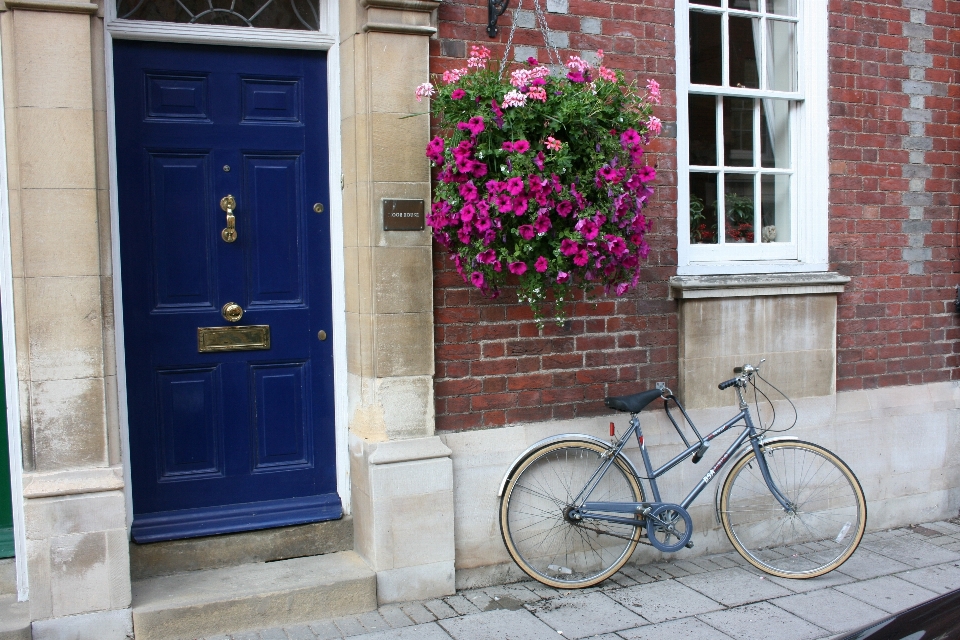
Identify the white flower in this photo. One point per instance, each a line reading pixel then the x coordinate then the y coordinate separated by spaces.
pixel 425 90
pixel 514 99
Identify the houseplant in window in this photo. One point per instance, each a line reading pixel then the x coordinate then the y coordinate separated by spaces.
pixel 541 176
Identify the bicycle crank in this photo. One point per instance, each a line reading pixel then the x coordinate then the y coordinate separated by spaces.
pixel 669 527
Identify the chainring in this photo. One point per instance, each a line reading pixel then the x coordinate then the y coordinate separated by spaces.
pixel 669 522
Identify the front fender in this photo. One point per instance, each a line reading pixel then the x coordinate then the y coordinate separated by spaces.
pixel 575 437
pixel 748 451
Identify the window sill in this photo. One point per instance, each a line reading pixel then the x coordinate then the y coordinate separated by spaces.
pixel 748 285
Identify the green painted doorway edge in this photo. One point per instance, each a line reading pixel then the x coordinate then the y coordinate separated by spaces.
pixel 6 502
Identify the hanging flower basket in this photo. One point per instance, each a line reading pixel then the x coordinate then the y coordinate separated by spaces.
pixel 542 177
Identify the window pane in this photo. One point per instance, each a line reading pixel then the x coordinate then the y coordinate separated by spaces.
pixel 273 14
pixel 775 208
pixel 705 53
pixel 703 208
pixel 781 55
pixel 746 5
pixel 703 130
pixel 775 133
pixel 782 7
pixel 744 52
pixel 738 132
pixel 738 204
pixel 708 3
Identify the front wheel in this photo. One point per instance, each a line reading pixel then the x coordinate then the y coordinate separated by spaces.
pixel 543 540
pixel 822 527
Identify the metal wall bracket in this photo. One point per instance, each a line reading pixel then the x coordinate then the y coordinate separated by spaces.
pixel 495 9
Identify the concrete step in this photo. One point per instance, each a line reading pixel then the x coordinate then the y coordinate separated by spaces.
pixel 14 619
pixel 234 549
pixel 252 596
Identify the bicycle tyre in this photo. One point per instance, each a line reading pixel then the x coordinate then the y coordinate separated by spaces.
pixel 819 536
pixel 548 547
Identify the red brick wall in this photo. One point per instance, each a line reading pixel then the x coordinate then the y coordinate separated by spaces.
pixel 493 366
pixel 893 219
pixel 895 188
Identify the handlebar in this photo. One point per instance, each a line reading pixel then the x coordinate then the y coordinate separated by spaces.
pixel 745 373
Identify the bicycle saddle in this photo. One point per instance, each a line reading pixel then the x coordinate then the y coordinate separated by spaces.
pixel 633 403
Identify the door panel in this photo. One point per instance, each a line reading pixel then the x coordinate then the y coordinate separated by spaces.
pixel 225 440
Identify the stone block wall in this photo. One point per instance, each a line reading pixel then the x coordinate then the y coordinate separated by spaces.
pixel 893 209
pixel 895 188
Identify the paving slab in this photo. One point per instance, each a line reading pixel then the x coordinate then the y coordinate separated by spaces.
pixel 864 564
pixel 686 628
pixel 734 586
pixel 666 600
pixel 913 550
pixel 430 631
pixel 300 632
pixel 830 609
pixel 325 630
pixel 273 634
pixel 940 578
pixel 888 593
pixel 831 579
pixel 762 621
pixel 499 625
pixel 418 613
pixel 395 616
pixel 350 626
pixel 587 615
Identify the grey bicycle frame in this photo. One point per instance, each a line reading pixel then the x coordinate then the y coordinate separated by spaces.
pixel 588 510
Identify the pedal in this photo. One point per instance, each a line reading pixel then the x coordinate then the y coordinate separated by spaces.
pixel 689 545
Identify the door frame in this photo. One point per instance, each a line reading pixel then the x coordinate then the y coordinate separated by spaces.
pixel 327 39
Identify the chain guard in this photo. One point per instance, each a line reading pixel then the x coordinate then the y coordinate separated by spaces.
pixel 665 516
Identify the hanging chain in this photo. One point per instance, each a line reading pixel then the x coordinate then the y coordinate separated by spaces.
pixel 541 19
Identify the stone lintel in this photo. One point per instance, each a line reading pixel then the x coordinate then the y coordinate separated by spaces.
pixel 768 284
pixel 57 6
pixel 407 450
pixel 72 482
pixel 409 17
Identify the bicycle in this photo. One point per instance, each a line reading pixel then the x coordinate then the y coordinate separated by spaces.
pixel 573 507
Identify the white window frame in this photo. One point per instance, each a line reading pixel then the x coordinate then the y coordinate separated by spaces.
pixel 807 251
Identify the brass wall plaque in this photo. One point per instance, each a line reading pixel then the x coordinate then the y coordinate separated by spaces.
pixel 249 338
pixel 403 215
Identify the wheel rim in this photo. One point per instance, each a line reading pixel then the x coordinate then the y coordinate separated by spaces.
pixel 547 544
pixel 824 525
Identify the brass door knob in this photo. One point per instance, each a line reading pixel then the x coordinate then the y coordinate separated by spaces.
pixel 232 312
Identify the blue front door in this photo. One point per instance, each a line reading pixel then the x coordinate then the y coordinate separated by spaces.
pixel 231 418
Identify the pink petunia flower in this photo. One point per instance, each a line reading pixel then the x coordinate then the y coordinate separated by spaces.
pixel 581 258
pixel 521 146
pixel 517 268
pixel 526 231
pixel 507 146
pixel 458 94
pixel 569 247
pixel 647 173
pixel 564 208
pixel 487 257
pixel 562 276
pixel 515 186
pixel 541 265
pixel 542 224
pixel 476 278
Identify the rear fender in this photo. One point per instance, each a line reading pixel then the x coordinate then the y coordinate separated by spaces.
pixel 574 437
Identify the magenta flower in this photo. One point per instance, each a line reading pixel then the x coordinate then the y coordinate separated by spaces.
pixel 532 61
pixel 458 94
pixel 467 213
pixel 562 276
pixel 517 268
pixel 564 208
pixel 507 146
pixel 587 228
pixel 515 186
pixel 538 160
pixel 521 146
pixel 647 173
pixel 581 258
pixel 541 264
pixel 542 224
pixel 487 257
pixel 435 150
pixel 569 247
pixel 629 139
pixel 526 231
pixel 474 125
pixel 576 76
pixel 469 191
pixel 476 278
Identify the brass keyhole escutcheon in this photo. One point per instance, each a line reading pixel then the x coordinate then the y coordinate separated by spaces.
pixel 322 335
pixel 232 312
pixel 318 207
pixel 229 234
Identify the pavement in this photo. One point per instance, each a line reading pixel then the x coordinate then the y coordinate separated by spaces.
pixel 709 597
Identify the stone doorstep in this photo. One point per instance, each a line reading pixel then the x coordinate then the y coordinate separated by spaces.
pixel 252 596
pixel 14 619
pixel 8 577
pixel 235 549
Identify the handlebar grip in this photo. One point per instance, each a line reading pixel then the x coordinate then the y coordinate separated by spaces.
pixel 727 384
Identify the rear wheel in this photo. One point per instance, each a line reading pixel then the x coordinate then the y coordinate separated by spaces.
pixel 540 536
pixel 823 526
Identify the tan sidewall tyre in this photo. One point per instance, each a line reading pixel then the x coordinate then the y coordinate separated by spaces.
pixel 505 502
pixel 798 444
